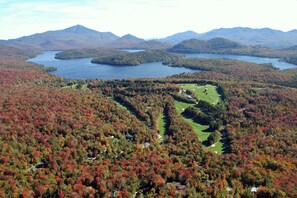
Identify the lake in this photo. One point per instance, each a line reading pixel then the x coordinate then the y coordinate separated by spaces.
pixel 274 61
pixel 84 69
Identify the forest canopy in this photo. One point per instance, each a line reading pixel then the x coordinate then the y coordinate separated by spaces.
pixel 137 58
pixel 95 138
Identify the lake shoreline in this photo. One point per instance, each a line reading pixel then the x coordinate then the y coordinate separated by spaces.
pixel 83 68
pixel 279 58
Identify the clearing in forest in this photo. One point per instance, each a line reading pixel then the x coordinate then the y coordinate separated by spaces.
pixel 209 94
pixel 76 86
pixel 161 122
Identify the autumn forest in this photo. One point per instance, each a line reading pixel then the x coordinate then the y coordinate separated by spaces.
pixel 228 131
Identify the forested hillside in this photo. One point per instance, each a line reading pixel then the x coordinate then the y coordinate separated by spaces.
pixel 262 37
pixel 202 46
pixel 76 36
pixel 87 53
pixel 240 70
pixel 148 137
pixel 291 59
pixel 137 58
pixel 225 46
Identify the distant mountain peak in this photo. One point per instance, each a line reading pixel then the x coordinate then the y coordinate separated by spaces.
pixel 293 31
pixel 76 36
pixel 126 41
pixel 129 36
pixel 78 29
pixel 189 32
pixel 181 36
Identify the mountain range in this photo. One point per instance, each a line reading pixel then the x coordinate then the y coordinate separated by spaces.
pixel 130 41
pixel 75 37
pixel 248 36
pixel 205 46
pixel 79 36
pixel 179 37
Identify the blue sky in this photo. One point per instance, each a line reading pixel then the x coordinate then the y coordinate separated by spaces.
pixel 144 18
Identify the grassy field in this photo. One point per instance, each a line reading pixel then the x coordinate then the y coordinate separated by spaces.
pixel 207 92
pixel 75 86
pixel 201 130
pixel 212 97
pixel 85 87
pixel 161 124
pixel 120 105
pixel 181 106
pixel 219 146
pixel 202 133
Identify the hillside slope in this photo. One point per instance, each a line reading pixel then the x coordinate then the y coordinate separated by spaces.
pixel 248 36
pixel 73 37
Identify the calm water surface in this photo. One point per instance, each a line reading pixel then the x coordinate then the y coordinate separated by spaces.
pixel 274 61
pixel 84 69
pixel 133 50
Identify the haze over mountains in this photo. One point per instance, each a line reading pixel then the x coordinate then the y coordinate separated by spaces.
pixel 248 36
pixel 81 37
pixel 75 36
pixel 130 41
pixel 205 46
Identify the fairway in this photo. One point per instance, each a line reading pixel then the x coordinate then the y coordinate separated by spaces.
pixel 85 87
pixel 75 86
pixel 212 97
pixel 120 105
pixel 181 106
pixel 161 124
pixel 199 128
pixel 207 92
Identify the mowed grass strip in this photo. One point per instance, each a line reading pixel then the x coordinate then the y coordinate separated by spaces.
pixel 75 86
pixel 207 92
pixel 201 130
pixel 121 106
pixel 161 122
pixel 198 128
pixel 181 106
pixel 85 87
pixel 218 148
